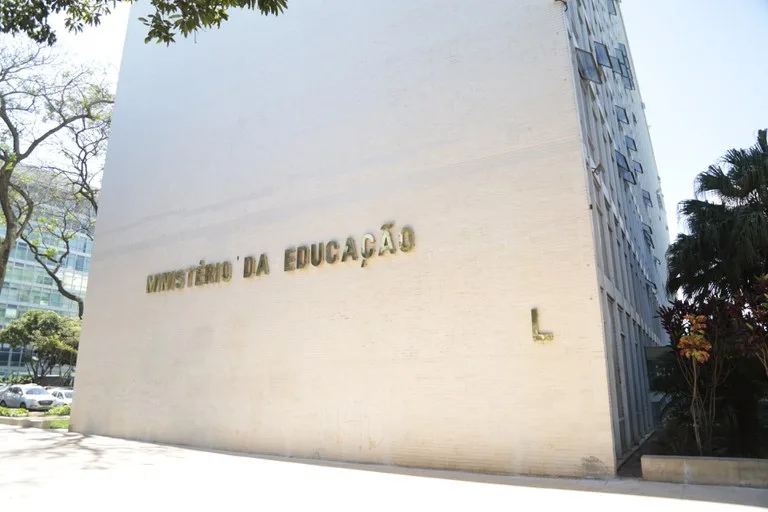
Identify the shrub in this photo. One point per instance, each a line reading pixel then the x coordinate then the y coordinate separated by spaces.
pixel 13 413
pixel 16 379
pixel 64 410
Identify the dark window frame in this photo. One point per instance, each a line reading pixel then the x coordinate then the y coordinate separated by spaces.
pixel 647 198
pixel 623 164
pixel 602 55
pixel 588 68
pixel 621 114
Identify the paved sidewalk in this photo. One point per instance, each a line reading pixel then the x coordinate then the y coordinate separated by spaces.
pixel 54 469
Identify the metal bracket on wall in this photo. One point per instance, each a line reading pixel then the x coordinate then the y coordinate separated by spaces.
pixel 539 336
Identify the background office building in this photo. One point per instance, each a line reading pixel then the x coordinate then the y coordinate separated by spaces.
pixel 27 286
pixel 507 330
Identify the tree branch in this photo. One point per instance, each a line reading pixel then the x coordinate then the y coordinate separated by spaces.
pixel 11 127
pixel 30 207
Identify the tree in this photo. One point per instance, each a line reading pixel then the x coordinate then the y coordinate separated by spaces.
pixel 753 306
pixel 83 152
pixel 726 246
pixel 49 340
pixel 39 100
pixel 169 18
pixel 62 216
pixel 701 335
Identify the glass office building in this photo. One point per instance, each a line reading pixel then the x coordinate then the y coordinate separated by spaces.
pixel 27 286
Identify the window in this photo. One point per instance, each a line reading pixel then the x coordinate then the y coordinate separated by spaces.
pixel 616 65
pixel 612 6
pixel 623 69
pixel 629 84
pixel 624 171
pixel 649 239
pixel 660 200
pixel 601 52
pixel 623 51
pixel 587 67
pixel 647 198
pixel 637 167
pixel 621 115
pixel 647 228
pixel 631 144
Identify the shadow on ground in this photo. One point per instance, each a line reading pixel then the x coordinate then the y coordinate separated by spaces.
pixel 621 485
pixel 46 445
pixel 76 451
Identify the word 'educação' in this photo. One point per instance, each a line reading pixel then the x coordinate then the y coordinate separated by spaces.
pixel 296 258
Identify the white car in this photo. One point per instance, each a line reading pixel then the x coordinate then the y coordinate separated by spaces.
pixel 27 396
pixel 62 396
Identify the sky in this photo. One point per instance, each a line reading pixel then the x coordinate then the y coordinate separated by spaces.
pixel 701 68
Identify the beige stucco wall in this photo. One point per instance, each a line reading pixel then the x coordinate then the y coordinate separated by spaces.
pixel 456 120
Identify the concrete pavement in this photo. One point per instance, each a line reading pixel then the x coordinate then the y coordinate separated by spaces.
pixel 96 473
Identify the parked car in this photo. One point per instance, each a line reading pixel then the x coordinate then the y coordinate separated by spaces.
pixel 62 396
pixel 27 396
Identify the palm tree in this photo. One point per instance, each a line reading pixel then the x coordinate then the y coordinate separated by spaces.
pixel 726 244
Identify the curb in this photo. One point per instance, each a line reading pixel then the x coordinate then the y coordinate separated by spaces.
pixel 27 422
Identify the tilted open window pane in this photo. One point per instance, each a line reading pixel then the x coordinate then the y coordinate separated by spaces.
pixel 628 177
pixel 649 239
pixel 647 198
pixel 629 84
pixel 631 144
pixel 637 167
pixel 621 161
pixel 612 6
pixel 616 65
pixel 623 52
pixel 647 228
pixel 621 115
pixel 603 57
pixel 587 66
pixel 624 171
pixel 623 69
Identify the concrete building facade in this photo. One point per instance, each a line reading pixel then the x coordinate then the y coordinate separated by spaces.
pixel 378 232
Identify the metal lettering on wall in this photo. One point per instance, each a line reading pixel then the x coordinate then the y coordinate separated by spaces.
pixel 295 259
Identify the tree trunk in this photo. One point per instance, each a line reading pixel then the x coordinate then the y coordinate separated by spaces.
pixel 11 225
pixel 5 252
pixel 695 416
pixel 66 293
